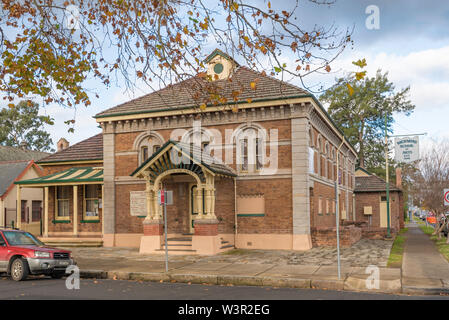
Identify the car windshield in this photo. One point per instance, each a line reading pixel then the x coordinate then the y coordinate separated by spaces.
pixel 15 238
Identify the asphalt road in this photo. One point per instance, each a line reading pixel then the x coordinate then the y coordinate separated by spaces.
pixel 46 288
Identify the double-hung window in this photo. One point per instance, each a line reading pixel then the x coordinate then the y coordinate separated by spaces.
pixel 91 196
pixel 62 202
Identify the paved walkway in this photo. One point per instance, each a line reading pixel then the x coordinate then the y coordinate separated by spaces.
pixel 315 268
pixel 422 266
pixel 362 254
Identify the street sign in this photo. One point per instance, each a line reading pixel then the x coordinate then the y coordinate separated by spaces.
pixel 406 149
pixel 161 197
pixel 446 197
pixel 165 196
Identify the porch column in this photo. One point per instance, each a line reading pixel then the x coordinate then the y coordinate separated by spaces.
pixel 207 201
pixel 149 192
pixel 46 212
pixel 102 209
pixel 153 225
pixel 19 208
pixel 199 201
pixel 75 210
pixel 212 206
pixel 156 207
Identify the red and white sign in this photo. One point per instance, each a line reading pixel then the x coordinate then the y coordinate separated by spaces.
pixel 446 197
pixel 161 197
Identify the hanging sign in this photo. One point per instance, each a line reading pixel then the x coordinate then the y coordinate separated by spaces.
pixel 406 149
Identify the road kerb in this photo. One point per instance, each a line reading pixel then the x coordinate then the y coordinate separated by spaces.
pixel 351 283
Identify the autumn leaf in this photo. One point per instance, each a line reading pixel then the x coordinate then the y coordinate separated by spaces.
pixel 328 68
pixel 360 75
pixel 360 63
pixel 253 85
pixel 350 89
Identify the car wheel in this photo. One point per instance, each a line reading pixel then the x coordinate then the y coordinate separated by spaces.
pixel 19 269
pixel 57 275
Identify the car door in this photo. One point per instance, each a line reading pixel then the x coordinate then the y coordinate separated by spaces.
pixel 3 254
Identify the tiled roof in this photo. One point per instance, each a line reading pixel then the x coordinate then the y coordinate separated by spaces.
pixel 372 183
pixel 89 149
pixel 13 153
pixel 179 96
pixel 9 171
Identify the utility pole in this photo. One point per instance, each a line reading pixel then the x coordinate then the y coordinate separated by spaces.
pixel 337 210
pixel 387 177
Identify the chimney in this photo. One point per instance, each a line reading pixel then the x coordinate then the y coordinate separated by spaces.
pixel 399 178
pixel 62 144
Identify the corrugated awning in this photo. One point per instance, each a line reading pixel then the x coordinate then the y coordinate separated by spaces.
pixel 85 175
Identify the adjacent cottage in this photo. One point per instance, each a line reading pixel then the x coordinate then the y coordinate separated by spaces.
pixel 371 204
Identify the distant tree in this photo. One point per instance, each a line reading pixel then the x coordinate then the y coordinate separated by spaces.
pixel 360 113
pixel 22 125
pixel 50 48
pixel 432 178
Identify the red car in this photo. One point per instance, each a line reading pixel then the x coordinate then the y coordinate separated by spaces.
pixel 22 254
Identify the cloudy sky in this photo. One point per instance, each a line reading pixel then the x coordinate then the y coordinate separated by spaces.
pixel 412 44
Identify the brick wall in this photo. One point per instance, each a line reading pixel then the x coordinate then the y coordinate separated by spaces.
pixel 372 199
pixel 278 206
pixel 328 236
pixel 68 227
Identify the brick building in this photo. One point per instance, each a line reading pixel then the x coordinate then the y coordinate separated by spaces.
pixel 258 176
pixel 371 204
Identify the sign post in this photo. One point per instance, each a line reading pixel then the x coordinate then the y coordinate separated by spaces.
pixel 162 197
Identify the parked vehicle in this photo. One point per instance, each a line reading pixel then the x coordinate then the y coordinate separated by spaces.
pixel 22 254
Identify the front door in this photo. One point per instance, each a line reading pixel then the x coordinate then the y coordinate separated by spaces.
pixel 383 212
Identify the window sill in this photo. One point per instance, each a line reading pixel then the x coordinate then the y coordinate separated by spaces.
pixel 90 221
pixel 61 221
pixel 251 215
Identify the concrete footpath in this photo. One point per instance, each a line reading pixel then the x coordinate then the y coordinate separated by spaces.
pixel 238 273
pixel 316 277
pixel 424 269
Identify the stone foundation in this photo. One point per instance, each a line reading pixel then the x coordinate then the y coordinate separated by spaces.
pixel 376 233
pixel 206 240
pixel 152 238
pixel 328 236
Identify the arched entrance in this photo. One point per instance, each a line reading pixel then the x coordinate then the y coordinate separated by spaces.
pixel 173 162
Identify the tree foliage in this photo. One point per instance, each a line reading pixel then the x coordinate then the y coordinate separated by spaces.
pixel 431 177
pixel 22 126
pixel 360 112
pixel 51 48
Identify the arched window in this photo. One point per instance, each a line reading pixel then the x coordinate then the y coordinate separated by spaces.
pixel 200 138
pixel 146 144
pixel 250 144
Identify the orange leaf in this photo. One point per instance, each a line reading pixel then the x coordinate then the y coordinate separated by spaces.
pixel 253 85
